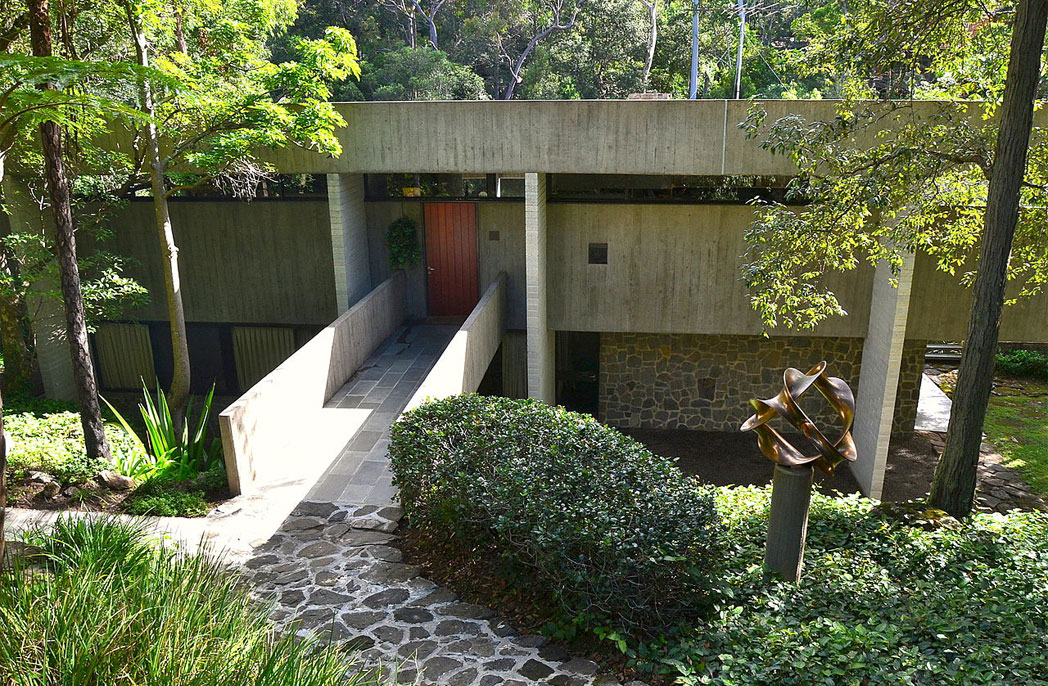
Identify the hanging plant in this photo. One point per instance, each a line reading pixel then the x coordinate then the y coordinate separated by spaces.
pixel 402 241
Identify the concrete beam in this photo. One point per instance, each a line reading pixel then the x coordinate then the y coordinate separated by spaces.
pixel 349 239
pixel 541 350
pixel 882 353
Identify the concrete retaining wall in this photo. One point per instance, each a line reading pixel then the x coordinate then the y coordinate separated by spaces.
pixel 462 366
pixel 283 408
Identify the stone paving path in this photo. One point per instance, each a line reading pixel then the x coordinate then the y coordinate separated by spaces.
pixel 999 488
pixel 334 568
pixel 384 385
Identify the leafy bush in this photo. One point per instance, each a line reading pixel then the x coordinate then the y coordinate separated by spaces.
pixel 1028 364
pixel 619 535
pixel 109 607
pixel 158 499
pixel 402 241
pixel 172 455
pixel 53 442
pixel 881 602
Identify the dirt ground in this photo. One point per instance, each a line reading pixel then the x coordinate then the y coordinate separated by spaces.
pixel 725 459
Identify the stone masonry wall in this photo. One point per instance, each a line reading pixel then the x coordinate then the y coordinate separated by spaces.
pixel 705 382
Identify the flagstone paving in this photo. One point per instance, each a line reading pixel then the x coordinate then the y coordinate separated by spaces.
pixel 335 569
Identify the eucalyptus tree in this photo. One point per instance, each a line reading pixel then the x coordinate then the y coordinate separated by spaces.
pixel 233 104
pixel 65 250
pixel 889 179
pixel 82 95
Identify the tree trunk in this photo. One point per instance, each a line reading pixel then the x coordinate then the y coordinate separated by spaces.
pixel 178 395
pixel 3 481
pixel 653 37
pixel 65 251
pixel 953 486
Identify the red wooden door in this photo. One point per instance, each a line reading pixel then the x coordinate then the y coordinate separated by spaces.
pixel 451 257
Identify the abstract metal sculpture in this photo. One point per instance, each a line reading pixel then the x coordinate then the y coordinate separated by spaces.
pixel 780 451
pixel 791 484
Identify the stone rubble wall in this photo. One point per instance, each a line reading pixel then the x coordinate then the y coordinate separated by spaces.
pixel 705 382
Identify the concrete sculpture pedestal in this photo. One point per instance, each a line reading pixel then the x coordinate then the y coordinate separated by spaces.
pixel 788 522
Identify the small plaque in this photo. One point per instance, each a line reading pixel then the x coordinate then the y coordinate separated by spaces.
pixel 493 235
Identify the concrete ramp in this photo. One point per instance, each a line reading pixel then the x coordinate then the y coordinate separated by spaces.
pixel 378 392
pixel 933 407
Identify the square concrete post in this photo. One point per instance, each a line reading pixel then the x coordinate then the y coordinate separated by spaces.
pixel 47 312
pixel 541 352
pixel 349 239
pixel 882 353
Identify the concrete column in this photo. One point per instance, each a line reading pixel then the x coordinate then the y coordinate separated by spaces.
pixel 349 239
pixel 882 353
pixel 541 345
pixel 46 312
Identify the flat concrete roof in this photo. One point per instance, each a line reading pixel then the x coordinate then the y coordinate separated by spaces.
pixel 699 137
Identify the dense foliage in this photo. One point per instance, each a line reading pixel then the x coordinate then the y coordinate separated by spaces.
pixel 1029 364
pixel 48 436
pixel 110 607
pixel 402 241
pixel 479 49
pixel 883 601
pixel 613 531
pixel 174 481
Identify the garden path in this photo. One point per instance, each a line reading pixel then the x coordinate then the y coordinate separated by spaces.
pixel 333 565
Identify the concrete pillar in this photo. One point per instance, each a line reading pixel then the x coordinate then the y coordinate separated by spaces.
pixel 46 311
pixel 882 353
pixel 349 239
pixel 788 522
pixel 541 345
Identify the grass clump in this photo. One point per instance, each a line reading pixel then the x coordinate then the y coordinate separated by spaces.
pixel 161 500
pixel 107 606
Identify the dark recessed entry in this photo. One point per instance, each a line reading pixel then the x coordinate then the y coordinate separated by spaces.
pixel 493 235
pixel 598 253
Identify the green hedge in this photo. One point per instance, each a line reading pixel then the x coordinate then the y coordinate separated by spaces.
pixel 619 535
pixel 1028 364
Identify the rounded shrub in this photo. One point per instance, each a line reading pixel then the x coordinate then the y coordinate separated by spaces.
pixel 619 535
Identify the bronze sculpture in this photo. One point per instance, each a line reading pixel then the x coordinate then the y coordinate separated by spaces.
pixel 780 451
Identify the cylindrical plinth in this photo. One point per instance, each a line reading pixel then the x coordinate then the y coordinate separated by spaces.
pixel 788 522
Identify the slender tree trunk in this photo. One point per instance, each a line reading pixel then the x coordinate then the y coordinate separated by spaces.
pixel 953 486
pixel 3 481
pixel 653 37
pixel 65 251
pixel 180 36
pixel 179 392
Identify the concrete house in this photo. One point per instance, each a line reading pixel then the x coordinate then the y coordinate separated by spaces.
pixel 619 242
